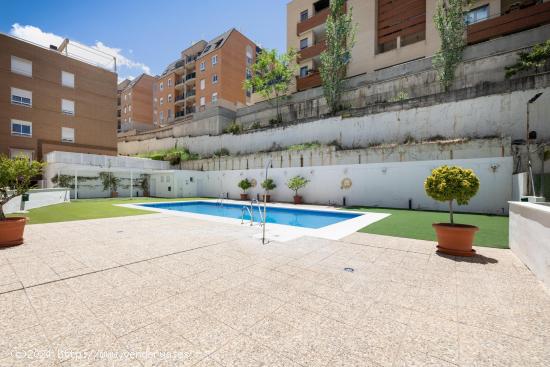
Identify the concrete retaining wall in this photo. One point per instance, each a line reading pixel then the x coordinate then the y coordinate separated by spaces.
pixel 530 237
pixel 38 198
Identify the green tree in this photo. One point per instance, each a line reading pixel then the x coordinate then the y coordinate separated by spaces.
pixel 296 183
pixel 272 75
pixel 16 175
pixel 537 58
pixel 451 25
pixel 340 40
pixel 244 185
pixel 450 184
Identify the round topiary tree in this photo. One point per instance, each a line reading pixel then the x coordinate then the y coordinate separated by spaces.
pixel 452 183
pixel 245 185
pixel 268 185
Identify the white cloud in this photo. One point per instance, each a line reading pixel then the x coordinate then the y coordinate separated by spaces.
pixel 98 54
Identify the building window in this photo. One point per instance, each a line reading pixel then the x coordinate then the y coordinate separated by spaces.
pixel 21 97
pixel 67 107
pixel 161 114
pixel 304 71
pixel 214 78
pixel 169 82
pixel 303 43
pixel 249 92
pixel 214 60
pixel 161 86
pixel 67 135
pixel 21 66
pixel 169 114
pixel 214 97
pixel 125 97
pixel 202 66
pixel 477 14
pixel 202 101
pixel 169 98
pixel 18 153
pixel 124 109
pixel 130 108
pixel 67 79
pixel 202 85
pixel 249 55
pixel 161 101
pixel 304 15
pixel 248 73
pixel 21 128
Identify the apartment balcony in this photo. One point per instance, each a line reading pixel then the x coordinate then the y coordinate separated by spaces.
pixel 179 114
pixel 179 99
pixel 514 20
pixel 190 94
pixel 189 110
pixel 312 51
pixel 311 81
pixel 317 19
pixel 179 65
pixel 191 76
pixel 179 84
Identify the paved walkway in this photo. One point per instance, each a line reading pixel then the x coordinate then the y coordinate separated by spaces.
pixel 170 291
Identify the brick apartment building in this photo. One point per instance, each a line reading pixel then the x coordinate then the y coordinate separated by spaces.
pixel 52 102
pixel 392 32
pixel 135 103
pixel 207 73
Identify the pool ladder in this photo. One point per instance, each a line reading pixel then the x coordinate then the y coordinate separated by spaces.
pixel 220 200
pixel 250 210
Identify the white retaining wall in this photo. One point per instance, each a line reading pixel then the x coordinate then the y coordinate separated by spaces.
pixel 377 184
pixel 530 237
pixel 495 115
pixel 38 198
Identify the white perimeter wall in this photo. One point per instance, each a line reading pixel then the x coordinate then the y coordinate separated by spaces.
pixel 39 198
pixel 377 184
pixel 494 115
pixel 530 237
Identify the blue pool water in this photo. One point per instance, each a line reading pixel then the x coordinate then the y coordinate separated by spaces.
pixel 292 217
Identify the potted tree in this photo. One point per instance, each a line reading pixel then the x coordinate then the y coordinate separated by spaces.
pixel 15 179
pixel 453 184
pixel 268 185
pixel 245 185
pixel 110 182
pixel 295 184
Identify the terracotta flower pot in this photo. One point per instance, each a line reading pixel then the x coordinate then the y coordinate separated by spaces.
pixel 297 199
pixel 11 231
pixel 455 239
pixel 244 196
pixel 267 198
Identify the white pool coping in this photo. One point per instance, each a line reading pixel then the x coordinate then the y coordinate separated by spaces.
pixel 278 232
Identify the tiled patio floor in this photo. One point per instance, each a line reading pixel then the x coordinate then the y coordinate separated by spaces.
pixel 117 292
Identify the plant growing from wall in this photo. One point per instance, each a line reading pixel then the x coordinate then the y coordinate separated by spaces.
pixel 340 39
pixel 16 175
pixel 272 75
pixel 233 128
pixel 537 58
pixel 109 181
pixel 451 25
pixel 452 184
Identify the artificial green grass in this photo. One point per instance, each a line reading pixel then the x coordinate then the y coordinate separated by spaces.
pixel 493 230
pixel 89 209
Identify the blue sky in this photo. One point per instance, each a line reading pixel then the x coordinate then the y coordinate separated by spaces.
pixel 145 35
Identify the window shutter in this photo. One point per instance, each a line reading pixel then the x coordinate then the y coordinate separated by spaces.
pixel 21 66
pixel 67 79
pixel 67 134
pixel 67 107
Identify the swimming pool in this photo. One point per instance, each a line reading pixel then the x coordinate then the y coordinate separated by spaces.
pixel 288 216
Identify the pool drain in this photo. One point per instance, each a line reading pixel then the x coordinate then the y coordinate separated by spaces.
pixel 349 270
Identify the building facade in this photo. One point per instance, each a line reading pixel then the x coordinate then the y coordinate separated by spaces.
pixel 52 102
pixel 136 103
pixel 393 32
pixel 120 87
pixel 207 74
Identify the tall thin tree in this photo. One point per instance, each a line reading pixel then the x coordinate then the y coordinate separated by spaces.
pixel 340 39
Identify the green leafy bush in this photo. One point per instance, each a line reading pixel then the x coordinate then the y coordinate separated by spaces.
pixel 222 152
pixel 268 184
pixel 233 128
pixel 296 183
pixel 538 57
pixel 245 185
pixel 16 175
pixel 304 146
pixel 450 184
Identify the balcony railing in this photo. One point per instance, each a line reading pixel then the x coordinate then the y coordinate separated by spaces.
pixel 311 81
pixel 179 64
pixel 180 113
pixel 181 97
pixel 179 81
pixel 190 76
pixel 190 94
pixel 512 22
pixel 313 50
pixel 315 20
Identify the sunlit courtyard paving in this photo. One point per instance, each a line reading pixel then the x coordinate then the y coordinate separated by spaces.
pixel 165 290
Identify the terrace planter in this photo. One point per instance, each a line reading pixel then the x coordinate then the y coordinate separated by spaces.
pixel 244 196
pixel 11 231
pixel 455 239
pixel 297 199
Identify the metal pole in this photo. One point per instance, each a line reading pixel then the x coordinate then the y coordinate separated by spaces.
pixel 131 185
pixel 75 184
pixel 265 203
